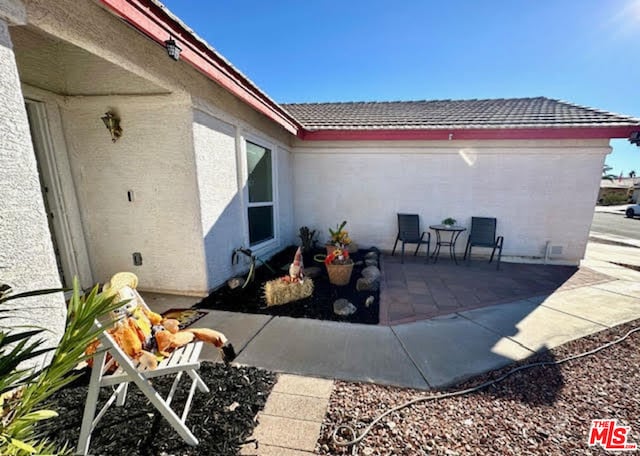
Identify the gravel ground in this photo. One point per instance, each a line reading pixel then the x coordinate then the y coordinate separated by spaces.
pixel 543 410
pixel 221 419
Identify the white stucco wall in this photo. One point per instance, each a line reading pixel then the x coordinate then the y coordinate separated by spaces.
pixel 154 159
pixel 538 190
pixel 27 261
pixel 180 220
pixel 219 149
pixel 285 217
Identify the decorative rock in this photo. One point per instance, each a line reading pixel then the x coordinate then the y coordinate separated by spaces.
pixel 371 262
pixel 370 300
pixel 371 256
pixel 366 284
pixel 371 272
pixel 358 263
pixel 235 282
pixel 233 406
pixel 312 272
pixel 343 307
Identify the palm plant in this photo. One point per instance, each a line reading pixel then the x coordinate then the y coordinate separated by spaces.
pixel 606 175
pixel 24 390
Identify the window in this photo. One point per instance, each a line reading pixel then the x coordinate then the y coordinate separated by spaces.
pixel 260 192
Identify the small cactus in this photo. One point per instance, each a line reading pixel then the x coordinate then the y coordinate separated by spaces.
pixel 307 237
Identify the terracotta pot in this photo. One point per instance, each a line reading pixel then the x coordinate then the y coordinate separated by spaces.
pixel 339 274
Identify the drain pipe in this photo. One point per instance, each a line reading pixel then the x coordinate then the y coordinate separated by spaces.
pixel 547 247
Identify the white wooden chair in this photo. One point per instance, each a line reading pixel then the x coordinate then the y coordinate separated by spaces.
pixel 182 360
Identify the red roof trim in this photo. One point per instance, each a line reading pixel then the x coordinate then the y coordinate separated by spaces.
pixel 469 134
pixel 153 22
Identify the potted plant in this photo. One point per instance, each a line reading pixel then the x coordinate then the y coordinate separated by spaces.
pixel 339 266
pixel 449 221
pixel 339 238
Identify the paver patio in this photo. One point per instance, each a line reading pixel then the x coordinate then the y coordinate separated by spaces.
pixel 418 291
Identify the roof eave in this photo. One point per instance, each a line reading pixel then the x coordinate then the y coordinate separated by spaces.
pixel 156 23
pixel 595 132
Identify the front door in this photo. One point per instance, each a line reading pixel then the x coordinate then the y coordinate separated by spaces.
pixel 38 138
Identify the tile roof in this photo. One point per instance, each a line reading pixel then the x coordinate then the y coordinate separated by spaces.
pixel 537 112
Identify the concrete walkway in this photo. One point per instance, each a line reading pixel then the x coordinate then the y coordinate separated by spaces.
pixel 291 420
pixel 443 350
pixel 617 209
pixel 606 238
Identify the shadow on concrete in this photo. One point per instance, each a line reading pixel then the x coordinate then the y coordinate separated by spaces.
pixel 448 349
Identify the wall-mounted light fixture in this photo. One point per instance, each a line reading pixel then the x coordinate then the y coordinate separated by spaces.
pixel 113 125
pixel 172 48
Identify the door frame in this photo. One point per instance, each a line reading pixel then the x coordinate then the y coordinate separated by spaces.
pixel 67 224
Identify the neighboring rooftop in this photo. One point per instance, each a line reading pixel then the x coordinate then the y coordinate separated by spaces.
pixel 539 112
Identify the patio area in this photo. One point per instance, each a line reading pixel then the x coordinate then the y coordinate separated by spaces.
pixel 564 304
pixel 418 291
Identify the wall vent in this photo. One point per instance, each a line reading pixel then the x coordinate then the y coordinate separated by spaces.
pixel 556 250
pixel 553 250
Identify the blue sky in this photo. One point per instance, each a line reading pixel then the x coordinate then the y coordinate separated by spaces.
pixel 583 51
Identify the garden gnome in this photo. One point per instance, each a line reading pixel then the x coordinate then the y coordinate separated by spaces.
pixel 296 270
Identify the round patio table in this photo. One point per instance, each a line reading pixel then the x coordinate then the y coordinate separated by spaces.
pixel 455 231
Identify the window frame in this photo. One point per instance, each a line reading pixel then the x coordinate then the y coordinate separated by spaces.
pixel 260 142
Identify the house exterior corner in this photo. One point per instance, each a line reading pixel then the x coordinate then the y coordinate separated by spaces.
pixel 207 163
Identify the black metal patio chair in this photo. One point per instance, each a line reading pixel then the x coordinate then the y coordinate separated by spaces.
pixel 483 234
pixel 409 233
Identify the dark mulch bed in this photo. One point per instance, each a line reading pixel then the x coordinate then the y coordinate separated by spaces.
pixel 543 410
pixel 319 306
pixel 138 429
